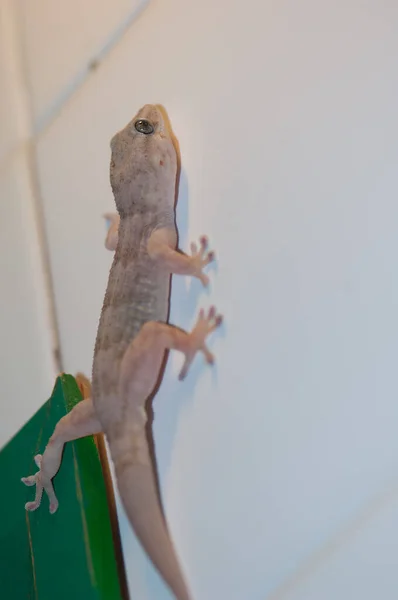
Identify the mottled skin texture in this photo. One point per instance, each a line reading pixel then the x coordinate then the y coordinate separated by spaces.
pixel 133 333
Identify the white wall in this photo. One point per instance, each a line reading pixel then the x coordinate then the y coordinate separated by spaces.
pixel 279 466
pixel 28 342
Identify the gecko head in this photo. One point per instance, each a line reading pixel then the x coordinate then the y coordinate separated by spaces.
pixel 144 162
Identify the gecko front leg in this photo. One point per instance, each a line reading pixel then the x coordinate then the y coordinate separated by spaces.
pixel 112 236
pixel 161 247
pixel 79 422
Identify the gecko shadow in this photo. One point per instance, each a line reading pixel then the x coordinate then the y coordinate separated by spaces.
pixel 185 306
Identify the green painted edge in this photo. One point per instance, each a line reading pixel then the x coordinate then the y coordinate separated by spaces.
pixel 96 508
pixel 103 548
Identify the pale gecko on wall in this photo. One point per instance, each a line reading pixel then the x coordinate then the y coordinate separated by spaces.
pixel 133 332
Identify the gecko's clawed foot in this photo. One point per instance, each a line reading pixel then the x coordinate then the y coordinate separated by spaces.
pixel 201 257
pixel 112 224
pixel 111 217
pixel 37 480
pixel 205 325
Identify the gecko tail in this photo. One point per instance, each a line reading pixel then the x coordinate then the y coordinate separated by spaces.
pixel 138 492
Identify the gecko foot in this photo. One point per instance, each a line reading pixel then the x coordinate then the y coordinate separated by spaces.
pixel 201 257
pixel 205 325
pixel 112 224
pixel 111 218
pixel 37 480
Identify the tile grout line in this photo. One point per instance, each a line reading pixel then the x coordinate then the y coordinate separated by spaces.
pixel 28 143
pixel 36 130
pixel 335 542
pixel 84 73
pixel 31 132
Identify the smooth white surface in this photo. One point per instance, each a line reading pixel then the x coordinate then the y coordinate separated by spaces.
pixel 286 116
pixel 13 121
pixel 26 361
pixel 27 370
pixel 359 563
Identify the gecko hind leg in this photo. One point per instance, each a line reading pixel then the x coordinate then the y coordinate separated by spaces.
pixel 128 443
pixel 79 422
pixel 155 337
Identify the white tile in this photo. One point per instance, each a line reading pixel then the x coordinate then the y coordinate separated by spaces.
pixel 73 159
pixel 286 116
pixel 362 562
pixel 13 122
pixel 61 39
pixel 26 363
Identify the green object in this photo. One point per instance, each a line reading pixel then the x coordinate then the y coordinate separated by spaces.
pixel 73 553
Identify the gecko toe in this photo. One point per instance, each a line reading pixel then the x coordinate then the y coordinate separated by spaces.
pixel 211 257
pixel 31 480
pixel 204 243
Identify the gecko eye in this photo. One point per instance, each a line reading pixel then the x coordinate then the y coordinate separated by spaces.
pixel 144 126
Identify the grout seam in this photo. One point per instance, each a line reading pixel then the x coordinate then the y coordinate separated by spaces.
pixel 335 543
pixel 28 143
pixel 82 75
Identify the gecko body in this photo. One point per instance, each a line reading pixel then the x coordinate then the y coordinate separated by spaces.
pixel 133 333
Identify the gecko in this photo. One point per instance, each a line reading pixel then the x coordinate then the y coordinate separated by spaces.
pixel 134 333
